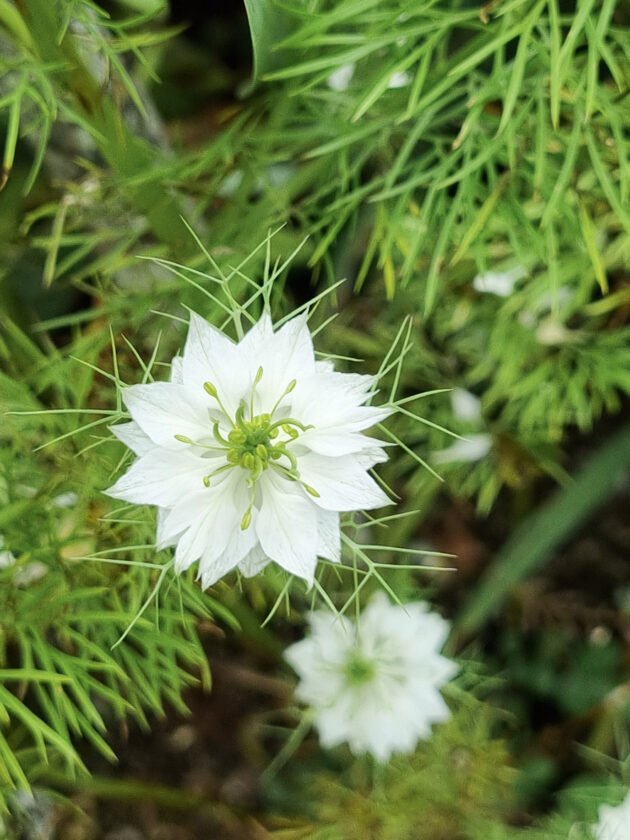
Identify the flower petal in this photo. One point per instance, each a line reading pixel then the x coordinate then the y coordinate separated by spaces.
pixel 328 535
pixel 164 409
pixel 253 562
pixel 342 483
pixel 164 538
pixel 336 442
pixel 177 370
pixel 239 547
pixel 284 355
pixel 213 517
pixel 210 356
pixel 287 526
pixel 132 436
pixel 161 477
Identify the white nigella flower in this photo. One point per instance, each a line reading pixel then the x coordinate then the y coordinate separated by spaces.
pixel 375 684
pixel 7 558
pixel 65 500
pixel 613 823
pixel 500 283
pixel 25 575
pixel 471 448
pixel 466 406
pixel 399 80
pixel 251 451
pixel 339 80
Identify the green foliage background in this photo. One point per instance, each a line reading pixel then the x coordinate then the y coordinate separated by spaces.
pixel 504 149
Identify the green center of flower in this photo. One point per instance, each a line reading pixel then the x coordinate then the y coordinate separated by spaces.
pixel 359 670
pixel 255 442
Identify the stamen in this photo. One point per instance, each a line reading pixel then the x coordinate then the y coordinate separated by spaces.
pixel 290 421
pixel 285 393
pixel 211 390
pixel 218 436
pixel 207 478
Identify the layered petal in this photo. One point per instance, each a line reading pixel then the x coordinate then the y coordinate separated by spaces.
pixel 328 535
pixel 210 356
pixel 210 518
pixel 253 562
pixel 163 410
pixel 284 356
pixel 161 477
pixel 227 435
pixel 342 483
pixel 241 545
pixel 387 706
pixel 287 526
pixel 132 436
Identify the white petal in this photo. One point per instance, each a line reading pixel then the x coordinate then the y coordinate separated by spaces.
pixel 340 78
pixel 254 562
pixel 466 406
pixel 213 518
pixel 132 436
pixel 161 477
pixel 163 410
pixel 328 535
pixel 164 538
pixel 332 403
pixel 239 546
pixel 284 356
pixel 342 483
pixel 499 283
pixel 335 442
pixel 287 526
pixel 177 370
pixel 472 448
pixel 210 356
pixel 399 80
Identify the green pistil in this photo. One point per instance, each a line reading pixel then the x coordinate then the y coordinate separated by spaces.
pixel 253 444
pixel 359 670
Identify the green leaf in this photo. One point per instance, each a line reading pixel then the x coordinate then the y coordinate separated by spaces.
pixel 546 529
pixel 268 25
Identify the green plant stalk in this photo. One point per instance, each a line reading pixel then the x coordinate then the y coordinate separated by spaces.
pixel 128 156
pixel 546 529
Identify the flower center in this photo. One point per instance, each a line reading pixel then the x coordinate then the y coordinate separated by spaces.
pixel 254 442
pixel 359 670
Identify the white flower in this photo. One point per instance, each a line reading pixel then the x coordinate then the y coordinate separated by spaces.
pixel 466 406
pixel 375 684
pixel 25 575
pixel 30 573
pixel 499 283
pixel 471 448
pixel 340 78
pixel 399 80
pixel 65 500
pixel 7 558
pixel 251 451
pixel 613 823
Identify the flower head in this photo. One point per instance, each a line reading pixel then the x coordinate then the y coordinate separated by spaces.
pixel 471 448
pixel 375 684
pixel 251 451
pixel 613 823
pixel 500 283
